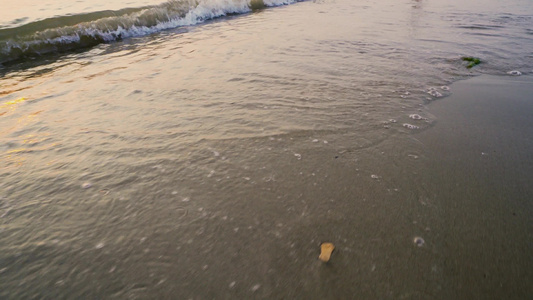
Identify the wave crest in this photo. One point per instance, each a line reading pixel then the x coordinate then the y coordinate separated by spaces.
pixel 72 32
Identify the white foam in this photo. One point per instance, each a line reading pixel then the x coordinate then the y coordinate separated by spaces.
pixel 255 287
pixel 133 25
pixel 435 93
pixel 419 241
pixel 410 126
pixel 416 117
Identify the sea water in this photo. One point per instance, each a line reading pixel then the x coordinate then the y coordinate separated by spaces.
pixel 194 148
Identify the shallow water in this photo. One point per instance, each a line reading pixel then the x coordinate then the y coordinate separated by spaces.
pixel 209 158
pixel 17 13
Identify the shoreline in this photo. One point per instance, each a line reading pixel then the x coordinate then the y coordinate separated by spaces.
pixel 481 146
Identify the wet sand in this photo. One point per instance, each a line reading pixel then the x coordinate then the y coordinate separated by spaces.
pixel 439 214
pixel 462 185
pixel 480 166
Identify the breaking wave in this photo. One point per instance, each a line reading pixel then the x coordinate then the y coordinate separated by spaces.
pixel 68 33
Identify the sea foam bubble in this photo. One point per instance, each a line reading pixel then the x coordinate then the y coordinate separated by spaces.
pixel 410 126
pixel 416 117
pixel 419 241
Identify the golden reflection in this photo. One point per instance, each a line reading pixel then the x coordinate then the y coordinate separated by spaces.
pixel 17 157
pixel 33 139
pixel 21 122
pixel 12 157
pixel 16 151
pixel 13 102
pixel 10 106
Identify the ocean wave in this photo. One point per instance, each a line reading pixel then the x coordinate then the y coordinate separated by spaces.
pixel 68 33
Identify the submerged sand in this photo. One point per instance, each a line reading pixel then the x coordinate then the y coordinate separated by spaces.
pixel 441 212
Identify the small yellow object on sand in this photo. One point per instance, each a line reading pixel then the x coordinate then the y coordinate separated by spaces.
pixel 325 251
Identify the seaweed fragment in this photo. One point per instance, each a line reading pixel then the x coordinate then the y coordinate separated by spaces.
pixel 472 61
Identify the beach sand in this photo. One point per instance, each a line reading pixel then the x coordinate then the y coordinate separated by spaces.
pixel 480 166
pixel 443 213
